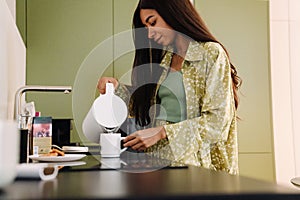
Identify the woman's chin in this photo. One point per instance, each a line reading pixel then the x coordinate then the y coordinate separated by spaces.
pixel 163 43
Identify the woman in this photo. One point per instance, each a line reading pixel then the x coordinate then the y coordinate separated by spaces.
pixel 184 88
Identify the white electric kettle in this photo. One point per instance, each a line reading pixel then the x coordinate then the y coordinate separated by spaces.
pixel 107 114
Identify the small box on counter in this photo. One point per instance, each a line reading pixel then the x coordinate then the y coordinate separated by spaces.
pixel 41 135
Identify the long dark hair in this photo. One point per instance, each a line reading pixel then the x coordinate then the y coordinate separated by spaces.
pixel 149 54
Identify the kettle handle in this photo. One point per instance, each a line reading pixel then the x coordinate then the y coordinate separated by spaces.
pixel 110 89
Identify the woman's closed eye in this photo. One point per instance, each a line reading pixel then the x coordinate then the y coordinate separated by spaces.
pixel 152 23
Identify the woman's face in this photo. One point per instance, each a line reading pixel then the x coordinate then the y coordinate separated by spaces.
pixel 158 29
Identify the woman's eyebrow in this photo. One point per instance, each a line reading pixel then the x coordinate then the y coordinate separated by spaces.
pixel 148 18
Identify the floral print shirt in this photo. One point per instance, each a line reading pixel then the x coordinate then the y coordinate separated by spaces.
pixel 208 138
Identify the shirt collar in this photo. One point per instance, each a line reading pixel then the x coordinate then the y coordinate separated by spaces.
pixel 166 61
pixel 194 52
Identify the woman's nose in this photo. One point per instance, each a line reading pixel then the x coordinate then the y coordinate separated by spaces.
pixel 151 33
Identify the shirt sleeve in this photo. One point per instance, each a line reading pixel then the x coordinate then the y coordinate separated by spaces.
pixel 123 91
pixel 193 137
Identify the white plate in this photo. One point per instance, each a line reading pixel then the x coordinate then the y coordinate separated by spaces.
pixel 69 164
pixel 65 158
pixel 75 149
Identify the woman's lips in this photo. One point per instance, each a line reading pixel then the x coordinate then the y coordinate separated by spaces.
pixel 157 39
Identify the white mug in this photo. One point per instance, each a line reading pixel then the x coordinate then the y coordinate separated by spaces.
pixel 9 151
pixel 110 145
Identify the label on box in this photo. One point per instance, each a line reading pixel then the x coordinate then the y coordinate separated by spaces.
pixel 41 135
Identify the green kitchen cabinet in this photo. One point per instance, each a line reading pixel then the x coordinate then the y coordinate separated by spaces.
pixel 243 27
pixel 62 38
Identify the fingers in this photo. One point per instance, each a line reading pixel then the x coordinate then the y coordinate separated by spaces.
pixel 143 139
pixel 135 142
pixel 129 137
pixel 130 141
pixel 101 85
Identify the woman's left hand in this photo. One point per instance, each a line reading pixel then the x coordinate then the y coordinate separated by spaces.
pixel 143 139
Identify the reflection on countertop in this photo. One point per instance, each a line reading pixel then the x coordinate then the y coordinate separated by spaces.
pixel 129 161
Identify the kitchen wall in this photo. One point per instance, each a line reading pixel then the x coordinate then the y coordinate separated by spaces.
pixel 12 60
pixel 12 7
pixel 63 37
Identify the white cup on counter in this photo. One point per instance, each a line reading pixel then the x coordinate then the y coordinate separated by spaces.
pixel 110 145
pixel 9 151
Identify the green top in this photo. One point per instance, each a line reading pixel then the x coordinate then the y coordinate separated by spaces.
pixel 172 96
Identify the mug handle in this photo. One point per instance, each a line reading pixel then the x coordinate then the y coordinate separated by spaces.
pixel 125 148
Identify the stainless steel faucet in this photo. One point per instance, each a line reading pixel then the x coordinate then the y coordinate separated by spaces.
pixel 35 88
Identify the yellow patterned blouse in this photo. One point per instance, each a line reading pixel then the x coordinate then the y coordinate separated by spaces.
pixel 208 138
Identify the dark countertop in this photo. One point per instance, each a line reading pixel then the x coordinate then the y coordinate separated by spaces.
pixel 132 182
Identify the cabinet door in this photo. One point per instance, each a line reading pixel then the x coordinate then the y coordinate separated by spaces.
pixel 60 36
pixel 257 165
pixel 123 43
pixel 243 27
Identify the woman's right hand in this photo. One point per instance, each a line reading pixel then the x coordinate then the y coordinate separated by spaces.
pixel 101 86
